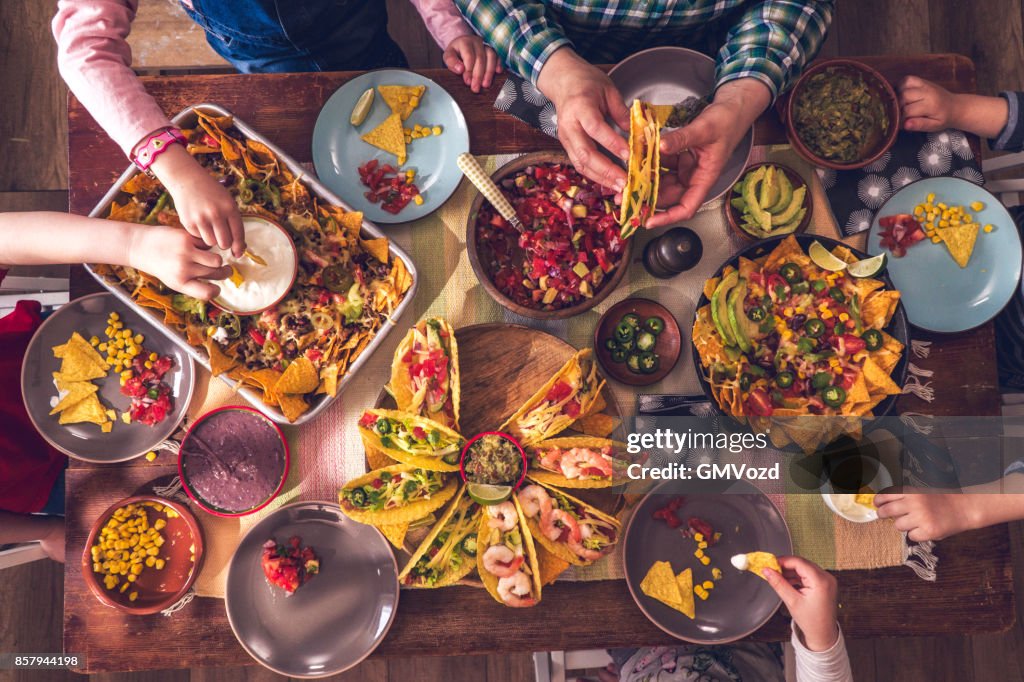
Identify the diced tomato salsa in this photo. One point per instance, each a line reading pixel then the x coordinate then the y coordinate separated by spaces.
pixel 392 189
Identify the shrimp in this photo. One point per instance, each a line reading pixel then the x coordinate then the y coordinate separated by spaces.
pixel 534 500
pixel 515 590
pixel 585 463
pixel 558 522
pixel 583 552
pixel 503 516
pixel 551 459
pixel 501 561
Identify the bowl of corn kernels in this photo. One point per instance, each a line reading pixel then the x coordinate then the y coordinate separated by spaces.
pixel 143 554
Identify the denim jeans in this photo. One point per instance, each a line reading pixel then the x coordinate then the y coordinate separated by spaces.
pixel 279 36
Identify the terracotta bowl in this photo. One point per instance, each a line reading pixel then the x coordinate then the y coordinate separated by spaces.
pixel 734 217
pixel 474 248
pixel 668 346
pixel 157 589
pixel 295 256
pixel 519 447
pixel 878 85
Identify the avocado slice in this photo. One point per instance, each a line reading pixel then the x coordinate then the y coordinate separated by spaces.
pixel 795 204
pixel 769 188
pixel 750 190
pixel 719 307
pixel 792 224
pixel 785 194
pixel 743 327
pixel 738 204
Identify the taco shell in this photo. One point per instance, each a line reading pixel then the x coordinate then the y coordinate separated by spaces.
pixel 401 388
pixel 372 440
pixel 404 514
pixel 558 549
pixel 550 478
pixel 489 580
pixel 460 501
pixel 643 172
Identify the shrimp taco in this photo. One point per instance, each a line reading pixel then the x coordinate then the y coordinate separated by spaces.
pixel 577 462
pixel 448 553
pixel 643 173
pixel 570 393
pixel 425 372
pixel 413 440
pixel 569 528
pixel 506 558
pixel 395 494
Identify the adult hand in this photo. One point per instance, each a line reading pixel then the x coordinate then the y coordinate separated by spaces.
pixel 205 208
pixel 177 259
pixel 811 596
pixel 697 153
pixel 468 57
pixel 583 97
pixel 928 515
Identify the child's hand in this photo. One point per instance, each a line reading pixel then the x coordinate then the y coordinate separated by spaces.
pixel 177 259
pixel 926 107
pixel 927 516
pixel 477 63
pixel 811 595
pixel 204 207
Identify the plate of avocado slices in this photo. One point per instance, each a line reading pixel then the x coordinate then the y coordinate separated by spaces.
pixel 770 200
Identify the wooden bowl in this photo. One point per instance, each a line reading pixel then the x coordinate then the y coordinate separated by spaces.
pixel 609 284
pixel 734 217
pixel 667 347
pixel 878 85
pixel 157 589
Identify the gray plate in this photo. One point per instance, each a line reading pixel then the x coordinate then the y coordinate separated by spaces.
pixel 740 602
pixel 88 316
pixel 332 622
pixel 667 75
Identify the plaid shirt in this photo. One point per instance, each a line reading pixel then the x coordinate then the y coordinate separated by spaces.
pixel 770 40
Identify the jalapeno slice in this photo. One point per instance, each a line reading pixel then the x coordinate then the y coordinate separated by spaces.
pixel 655 325
pixel 231 325
pixel 624 331
pixel 821 380
pixel 757 313
pixel 784 379
pixel 791 272
pixel 383 426
pixel 819 286
pixel 610 343
pixel 814 327
pixel 833 396
pixel 357 496
pixel 337 279
pixel 837 295
pixel 618 355
pixel 272 347
pixel 745 382
pixel 649 362
pixel 628 346
pixel 801 288
pixel 873 339
pixel 632 319
pixel 633 363
pixel 645 341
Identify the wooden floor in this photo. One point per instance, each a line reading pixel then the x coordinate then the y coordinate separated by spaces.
pixel 33 175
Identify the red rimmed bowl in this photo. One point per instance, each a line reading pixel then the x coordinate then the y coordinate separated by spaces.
pixel 501 434
pixel 233 461
pixel 879 87
pixel 261 250
pixel 157 589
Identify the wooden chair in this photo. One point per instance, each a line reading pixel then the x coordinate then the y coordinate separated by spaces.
pixel 1009 190
pixel 565 666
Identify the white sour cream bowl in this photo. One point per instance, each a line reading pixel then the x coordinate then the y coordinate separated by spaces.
pixel 263 285
pixel 846 506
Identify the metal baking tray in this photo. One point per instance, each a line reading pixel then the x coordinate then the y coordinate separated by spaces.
pixel 188 119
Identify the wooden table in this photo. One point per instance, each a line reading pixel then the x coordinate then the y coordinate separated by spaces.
pixel 974 592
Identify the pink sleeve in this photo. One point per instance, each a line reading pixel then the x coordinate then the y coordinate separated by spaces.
pixel 95 60
pixel 443 20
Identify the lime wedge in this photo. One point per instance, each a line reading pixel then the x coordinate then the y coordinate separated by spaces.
pixel 484 493
pixel 869 267
pixel 824 259
pixel 362 108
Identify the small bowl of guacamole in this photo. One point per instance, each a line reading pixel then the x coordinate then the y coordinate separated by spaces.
pixel 493 459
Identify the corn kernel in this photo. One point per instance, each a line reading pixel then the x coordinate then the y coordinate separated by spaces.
pixel 977 206
pixel 716 573
pixel 707 585
pixel 437 130
pixel 138 338
pixel 699 537
pixel 930 198
pixel 114 316
pixel 988 228
pixel 699 553
pixel 418 199
pixel 705 560
pixel 936 239
pixel 702 545
pixel 150 456
pixel 159 564
pixel 133 596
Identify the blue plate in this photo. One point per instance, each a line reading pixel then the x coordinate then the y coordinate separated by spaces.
pixel 338 149
pixel 939 295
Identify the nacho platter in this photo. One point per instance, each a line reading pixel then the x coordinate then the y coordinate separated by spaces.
pixel 299 406
pixel 874 378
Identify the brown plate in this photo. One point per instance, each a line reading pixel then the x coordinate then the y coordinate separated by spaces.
pixel 158 589
pixel 667 347
pixel 607 287
pixel 881 88
pixel 733 215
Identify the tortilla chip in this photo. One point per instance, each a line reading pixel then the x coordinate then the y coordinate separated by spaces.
pixel 328 380
pixel 858 393
pixel 685 582
pixel 600 425
pixel 878 308
pixel 78 366
pixel 550 565
pixel 395 533
pixel 660 583
pixel 220 362
pixel 843 253
pixel 866 498
pixel 960 241
pixel 89 409
pixel 757 561
pixel 299 377
pixel 878 380
pixel 389 137
pixel 378 248
pixel 293 406
pixel 106 427
pixel 402 99
pixel 76 391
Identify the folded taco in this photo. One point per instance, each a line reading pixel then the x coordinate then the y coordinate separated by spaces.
pixel 412 440
pixel 425 372
pixel 643 173
pixel 568 394
pixel 395 494
pixel 577 462
pixel 506 558
pixel 448 553
pixel 569 528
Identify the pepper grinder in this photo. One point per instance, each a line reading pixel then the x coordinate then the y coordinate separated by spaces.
pixel 676 251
